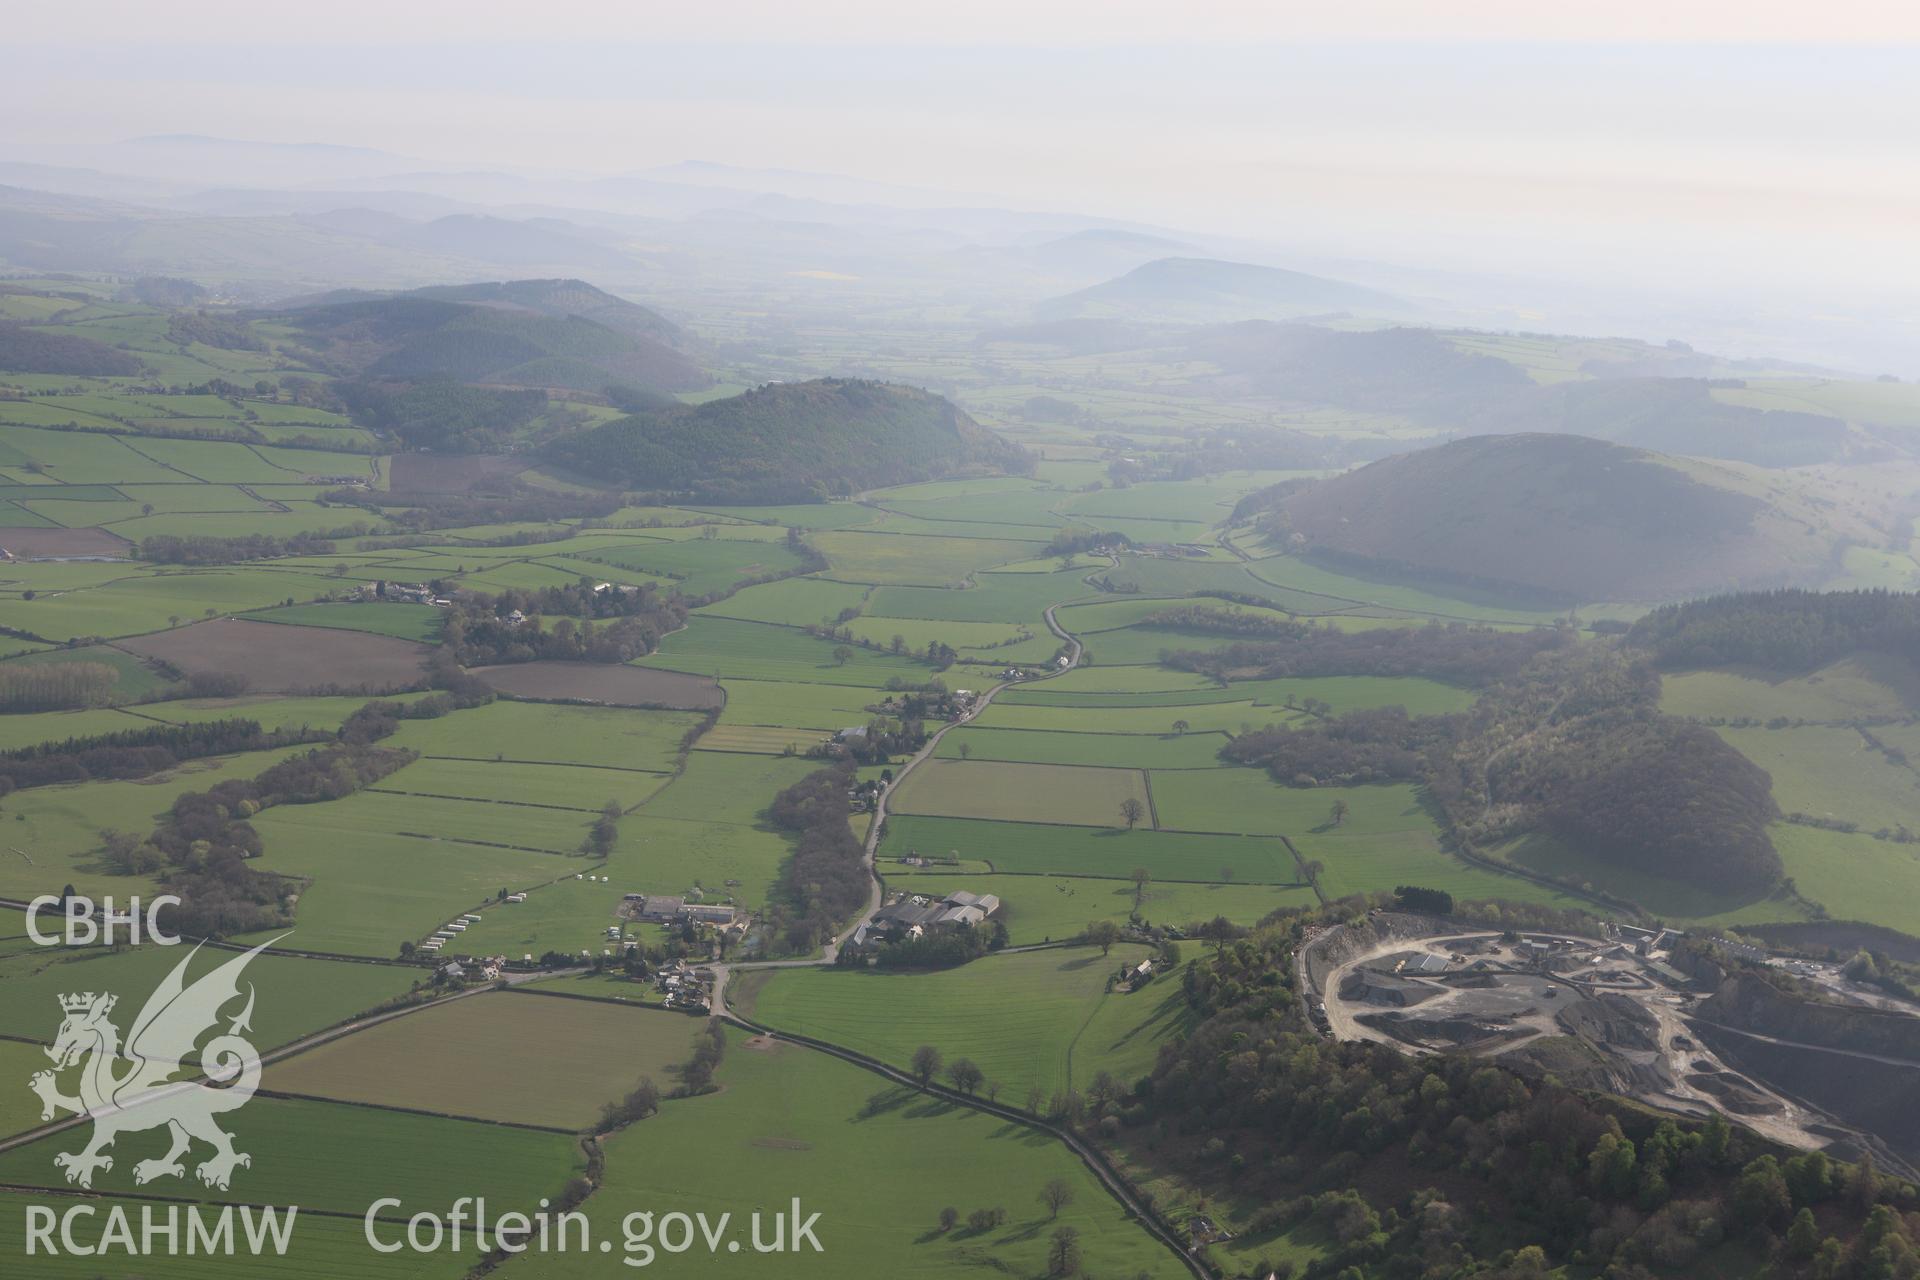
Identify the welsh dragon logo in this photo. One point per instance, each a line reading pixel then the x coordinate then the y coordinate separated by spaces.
pixel 132 1087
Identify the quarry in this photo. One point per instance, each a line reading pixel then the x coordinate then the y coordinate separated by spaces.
pixel 1619 1013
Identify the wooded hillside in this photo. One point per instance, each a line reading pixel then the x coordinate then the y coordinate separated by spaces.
pixel 791 442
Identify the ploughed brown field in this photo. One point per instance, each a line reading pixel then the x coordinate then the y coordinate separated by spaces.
pixel 25 543
pixel 608 682
pixel 278 658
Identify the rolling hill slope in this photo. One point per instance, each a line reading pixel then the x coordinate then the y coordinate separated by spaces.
pixel 562 334
pixel 1564 516
pixel 1209 289
pixel 791 442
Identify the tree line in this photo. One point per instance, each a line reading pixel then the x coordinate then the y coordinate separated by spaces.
pixel 138 753
pixel 825 880
pixel 56 686
pixel 167 548
pixel 1789 631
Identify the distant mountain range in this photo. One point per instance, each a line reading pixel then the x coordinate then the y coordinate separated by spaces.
pixel 1562 517
pixel 1206 289
pixel 790 442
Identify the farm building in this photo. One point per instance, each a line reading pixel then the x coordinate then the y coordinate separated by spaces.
pixel 913 915
pixel 659 908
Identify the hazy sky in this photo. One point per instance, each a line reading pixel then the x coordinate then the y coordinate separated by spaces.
pixel 1706 142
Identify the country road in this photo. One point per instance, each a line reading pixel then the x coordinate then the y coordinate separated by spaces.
pixel 831 952
pixel 1097 1164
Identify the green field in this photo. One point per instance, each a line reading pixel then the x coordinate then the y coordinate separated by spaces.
pixel 1097 679
pixel 371 891
pixel 1342 693
pixel 912 559
pixel 1114 751
pixel 784 704
pixel 1867 686
pixel 324 1249
pixel 20 1108
pixel 1247 800
pixel 791 1122
pixel 271 712
pixel 371 814
pixel 702 566
pixel 1019 1017
pixel 568 916
pixel 406 621
pixel 583 788
pixel 1203 717
pixel 524 1059
pixel 296 996
pixel 1668 899
pixel 793 602
pixel 1112 852
pixel 318 1154
pixel 1832 773
pixel 1855 877
pixel 1021 792
pixel 672 855
pixel 610 737
pixel 728 649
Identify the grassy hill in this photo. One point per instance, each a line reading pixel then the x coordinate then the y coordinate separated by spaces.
pixel 1208 289
pixel 1566 516
pixel 561 334
pixel 791 442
